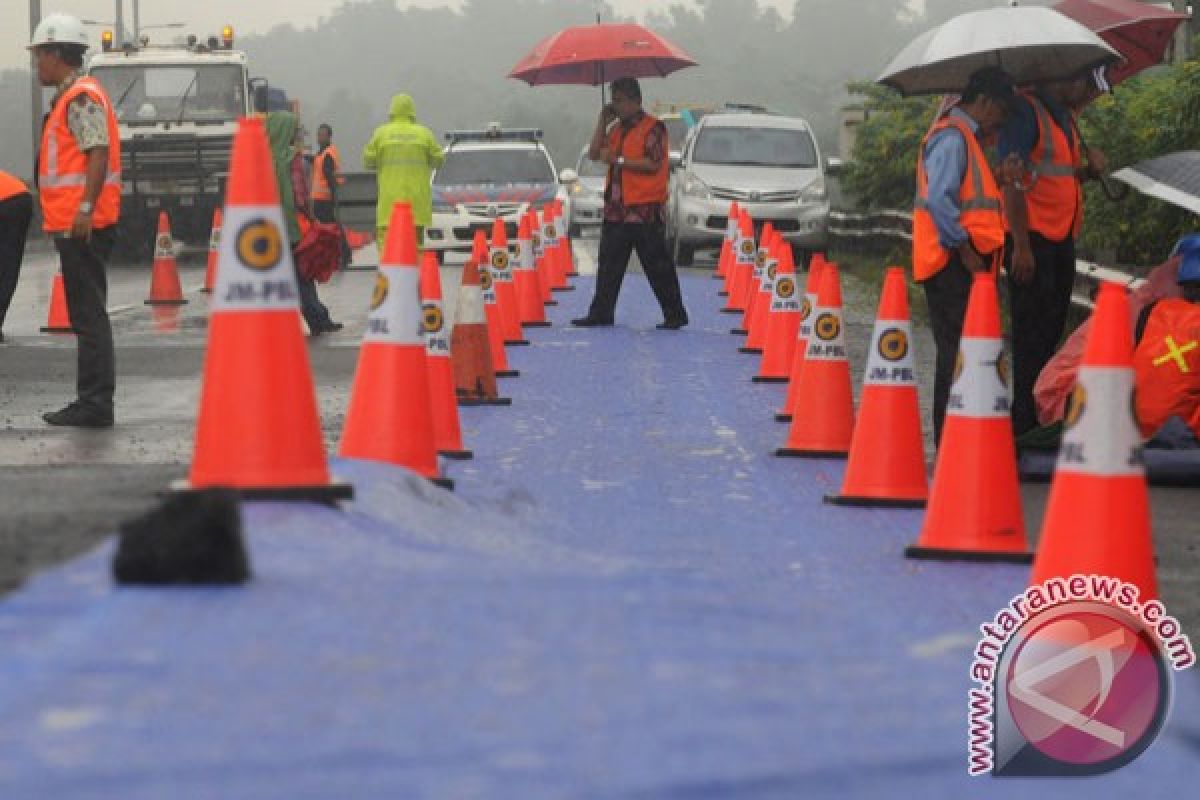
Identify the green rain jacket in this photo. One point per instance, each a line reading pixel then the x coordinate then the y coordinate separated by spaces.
pixel 404 154
pixel 281 132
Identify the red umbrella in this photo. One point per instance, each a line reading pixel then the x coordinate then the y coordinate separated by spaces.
pixel 592 55
pixel 1138 31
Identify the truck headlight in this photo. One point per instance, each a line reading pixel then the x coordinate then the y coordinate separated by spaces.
pixel 694 187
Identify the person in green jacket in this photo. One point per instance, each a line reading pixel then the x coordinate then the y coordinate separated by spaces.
pixel 404 154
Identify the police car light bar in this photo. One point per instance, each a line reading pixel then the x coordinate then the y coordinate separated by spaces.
pixel 492 134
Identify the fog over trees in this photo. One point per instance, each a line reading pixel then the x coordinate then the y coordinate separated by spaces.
pixel 345 70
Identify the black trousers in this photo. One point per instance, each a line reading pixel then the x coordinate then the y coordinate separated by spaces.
pixel 946 293
pixel 618 240
pixel 86 286
pixel 326 211
pixel 1039 315
pixel 15 214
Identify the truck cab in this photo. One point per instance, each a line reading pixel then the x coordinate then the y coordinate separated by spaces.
pixel 177 108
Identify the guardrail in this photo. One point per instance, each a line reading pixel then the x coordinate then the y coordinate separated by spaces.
pixel 895 227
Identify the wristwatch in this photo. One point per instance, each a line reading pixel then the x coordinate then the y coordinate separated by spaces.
pixel 620 161
pixel 85 207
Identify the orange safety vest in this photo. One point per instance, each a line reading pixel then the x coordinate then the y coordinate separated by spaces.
pixel 1054 204
pixel 1167 366
pixel 321 189
pixel 978 200
pixel 639 188
pixel 62 166
pixel 11 186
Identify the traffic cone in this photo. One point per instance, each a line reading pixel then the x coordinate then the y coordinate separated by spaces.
pixel 214 243
pixel 749 288
pixel 529 290
pixel 725 260
pixel 447 433
pixel 540 261
pixel 491 307
pixel 258 430
pixel 743 265
pixel 562 262
pixel 803 334
pixel 471 345
pixel 564 235
pixel 57 318
pixel 887 455
pixel 974 511
pixel 164 279
pixel 500 266
pixel 390 416
pixel 1097 519
pixel 783 323
pixel 823 421
pixel 760 302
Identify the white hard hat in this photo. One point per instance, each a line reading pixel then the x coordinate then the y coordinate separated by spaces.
pixel 59 29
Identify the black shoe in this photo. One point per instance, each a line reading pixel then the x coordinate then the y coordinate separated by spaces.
pixel 592 322
pixel 672 324
pixel 77 416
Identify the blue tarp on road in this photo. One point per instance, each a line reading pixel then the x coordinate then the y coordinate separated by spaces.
pixel 628 596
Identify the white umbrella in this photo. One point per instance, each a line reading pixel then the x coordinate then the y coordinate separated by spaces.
pixel 1174 178
pixel 1031 43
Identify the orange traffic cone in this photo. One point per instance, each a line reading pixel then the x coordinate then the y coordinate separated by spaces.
pixel 258 430
pixel 57 318
pixel 471 345
pixel 529 290
pixel 887 455
pixel 491 307
pixel 214 243
pixel 561 260
pixel 1097 518
pixel 540 260
pixel 500 266
pixel 803 334
pixel 750 288
pixel 975 503
pixel 743 265
pixel 390 416
pixel 564 235
pixel 760 302
pixel 823 420
pixel 783 322
pixel 725 260
pixel 447 433
pixel 164 279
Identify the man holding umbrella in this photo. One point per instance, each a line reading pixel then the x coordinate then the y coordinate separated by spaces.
pixel 635 193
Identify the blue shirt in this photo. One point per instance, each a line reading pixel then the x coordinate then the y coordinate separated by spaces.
pixel 1020 132
pixel 945 168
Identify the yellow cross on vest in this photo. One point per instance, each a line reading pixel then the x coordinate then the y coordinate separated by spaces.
pixel 1175 353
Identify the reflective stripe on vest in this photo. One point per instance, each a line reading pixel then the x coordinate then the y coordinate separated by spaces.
pixel 979 202
pixel 1167 366
pixel 1054 204
pixel 62 166
pixel 639 188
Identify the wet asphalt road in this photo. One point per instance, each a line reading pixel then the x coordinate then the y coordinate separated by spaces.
pixel 66 490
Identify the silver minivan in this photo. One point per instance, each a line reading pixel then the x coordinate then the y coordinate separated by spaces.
pixel 770 165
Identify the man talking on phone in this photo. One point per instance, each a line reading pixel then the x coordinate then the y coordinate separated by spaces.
pixel 634 145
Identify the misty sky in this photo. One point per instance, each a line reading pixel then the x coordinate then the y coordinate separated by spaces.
pixel 257 17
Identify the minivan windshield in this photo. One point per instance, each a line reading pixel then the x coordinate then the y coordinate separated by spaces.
pixel 500 166
pixel 755 147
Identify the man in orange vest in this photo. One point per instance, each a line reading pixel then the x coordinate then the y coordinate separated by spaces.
pixel 327 178
pixel 79 185
pixel 16 209
pixel 1043 211
pixel 958 226
pixel 635 195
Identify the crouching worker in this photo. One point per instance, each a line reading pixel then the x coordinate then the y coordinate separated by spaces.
pixel 1167 357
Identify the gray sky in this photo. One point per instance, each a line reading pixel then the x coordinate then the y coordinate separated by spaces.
pixel 207 16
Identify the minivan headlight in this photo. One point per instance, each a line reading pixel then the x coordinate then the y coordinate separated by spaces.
pixel 815 193
pixel 694 187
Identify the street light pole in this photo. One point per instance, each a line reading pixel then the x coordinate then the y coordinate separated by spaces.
pixel 119 23
pixel 35 87
pixel 137 20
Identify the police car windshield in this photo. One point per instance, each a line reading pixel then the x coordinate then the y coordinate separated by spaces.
pixel 755 147
pixel 500 166
pixel 152 92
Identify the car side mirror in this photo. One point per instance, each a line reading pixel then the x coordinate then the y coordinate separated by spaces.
pixel 568 175
pixel 834 165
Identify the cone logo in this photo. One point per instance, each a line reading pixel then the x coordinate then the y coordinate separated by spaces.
pixel 828 327
pixel 485 282
pixel 536 237
pixel 431 317
pixel 396 319
pixel 551 233
pixel 1102 436
pixel 890 361
pixel 434 320
pixel 746 251
pixel 785 287
pixel 827 342
pixel 980 389
pixel 164 244
pixel 499 260
pixel 380 292
pixel 256 271
pixel 893 344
